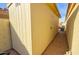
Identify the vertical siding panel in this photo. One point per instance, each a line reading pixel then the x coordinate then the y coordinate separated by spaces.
pixel 22 22
pixel 21 25
pixel 17 23
pixel 12 22
pixel 28 27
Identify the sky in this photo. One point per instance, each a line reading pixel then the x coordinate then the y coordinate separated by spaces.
pixel 62 7
pixel 3 5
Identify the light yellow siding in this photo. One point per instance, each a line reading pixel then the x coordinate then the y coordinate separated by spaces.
pixel 44 27
pixel 5 40
pixel 69 30
pixel 72 30
pixel 21 27
pixel 75 45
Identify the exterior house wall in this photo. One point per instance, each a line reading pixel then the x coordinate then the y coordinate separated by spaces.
pixel 72 30
pixel 20 25
pixel 75 45
pixel 44 27
pixel 69 30
pixel 33 27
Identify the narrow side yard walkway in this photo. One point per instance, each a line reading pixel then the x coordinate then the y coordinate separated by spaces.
pixel 58 46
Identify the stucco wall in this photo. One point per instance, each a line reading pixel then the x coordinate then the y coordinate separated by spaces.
pixel 5 40
pixel 44 27
pixel 20 24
